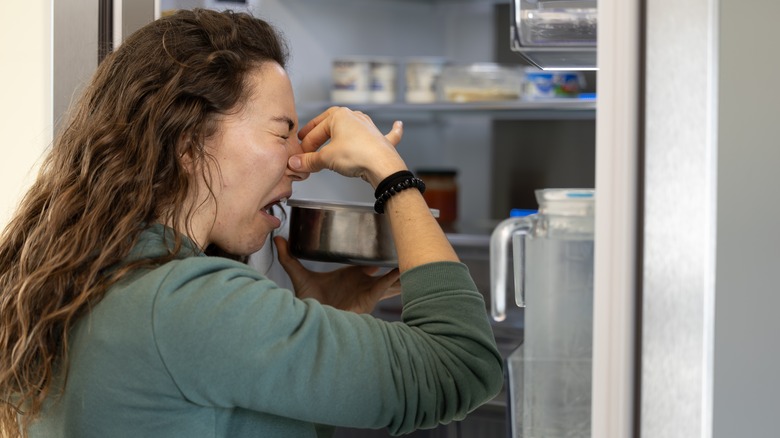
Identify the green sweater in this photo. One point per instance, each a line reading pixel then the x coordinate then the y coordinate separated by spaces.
pixel 208 347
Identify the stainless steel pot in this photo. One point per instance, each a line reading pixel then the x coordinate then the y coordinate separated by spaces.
pixel 340 232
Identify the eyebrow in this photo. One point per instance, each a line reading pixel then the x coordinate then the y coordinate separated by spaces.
pixel 284 119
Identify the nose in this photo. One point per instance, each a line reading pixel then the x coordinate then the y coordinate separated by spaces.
pixel 295 148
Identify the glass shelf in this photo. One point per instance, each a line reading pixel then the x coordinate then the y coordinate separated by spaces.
pixel 557 109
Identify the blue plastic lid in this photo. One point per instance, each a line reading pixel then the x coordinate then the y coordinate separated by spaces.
pixel 519 212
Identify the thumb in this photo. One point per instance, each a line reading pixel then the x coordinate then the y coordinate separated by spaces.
pixel 396 133
pixel 290 264
pixel 306 162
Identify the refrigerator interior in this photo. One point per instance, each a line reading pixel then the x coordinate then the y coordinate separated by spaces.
pixel 493 150
pixel 501 156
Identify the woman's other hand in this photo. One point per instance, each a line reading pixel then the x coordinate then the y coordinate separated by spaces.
pixel 353 288
pixel 356 147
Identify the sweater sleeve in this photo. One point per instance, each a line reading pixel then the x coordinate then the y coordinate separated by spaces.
pixel 230 338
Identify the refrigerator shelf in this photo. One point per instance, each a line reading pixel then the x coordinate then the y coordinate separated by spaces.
pixel 552 109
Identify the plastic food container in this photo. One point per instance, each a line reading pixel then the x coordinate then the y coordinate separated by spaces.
pixel 383 77
pixel 422 79
pixel 480 82
pixel 543 84
pixel 351 78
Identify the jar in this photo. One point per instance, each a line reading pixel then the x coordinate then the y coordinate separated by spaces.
pixel 350 80
pixel 384 72
pixel 441 193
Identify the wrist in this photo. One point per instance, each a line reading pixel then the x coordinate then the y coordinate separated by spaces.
pixel 376 177
pixel 394 184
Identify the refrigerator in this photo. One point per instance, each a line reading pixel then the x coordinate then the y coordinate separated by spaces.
pixel 686 150
pixel 683 301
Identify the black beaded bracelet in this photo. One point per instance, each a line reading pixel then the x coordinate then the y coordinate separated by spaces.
pixel 390 181
pixel 406 183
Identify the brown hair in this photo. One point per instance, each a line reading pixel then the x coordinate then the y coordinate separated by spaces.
pixel 113 168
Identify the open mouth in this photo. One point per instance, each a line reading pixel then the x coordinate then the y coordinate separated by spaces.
pixel 269 209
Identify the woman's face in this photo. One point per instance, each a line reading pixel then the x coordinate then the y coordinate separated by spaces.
pixel 250 151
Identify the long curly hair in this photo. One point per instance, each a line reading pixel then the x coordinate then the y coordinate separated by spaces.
pixel 113 168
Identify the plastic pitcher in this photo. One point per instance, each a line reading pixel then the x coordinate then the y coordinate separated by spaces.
pixel 550 372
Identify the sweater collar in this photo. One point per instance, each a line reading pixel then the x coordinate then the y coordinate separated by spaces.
pixel 158 240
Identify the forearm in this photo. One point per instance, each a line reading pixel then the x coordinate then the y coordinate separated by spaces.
pixel 418 237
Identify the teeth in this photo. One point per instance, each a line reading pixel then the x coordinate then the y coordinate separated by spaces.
pixel 270 208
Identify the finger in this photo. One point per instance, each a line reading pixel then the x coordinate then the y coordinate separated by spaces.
pixel 291 265
pixel 282 249
pixel 395 134
pixel 308 162
pixel 386 283
pixel 315 121
pixel 390 293
pixel 369 270
pixel 319 130
pixel 316 136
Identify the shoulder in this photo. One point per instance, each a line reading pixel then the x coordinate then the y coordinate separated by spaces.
pixel 208 278
pixel 209 268
pixel 194 279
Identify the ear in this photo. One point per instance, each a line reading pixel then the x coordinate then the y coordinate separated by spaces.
pixel 186 153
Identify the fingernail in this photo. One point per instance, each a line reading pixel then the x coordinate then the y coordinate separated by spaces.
pixel 294 162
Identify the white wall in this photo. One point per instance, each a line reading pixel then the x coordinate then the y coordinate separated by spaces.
pixel 25 87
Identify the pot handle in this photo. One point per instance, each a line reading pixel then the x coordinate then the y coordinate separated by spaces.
pixel 500 240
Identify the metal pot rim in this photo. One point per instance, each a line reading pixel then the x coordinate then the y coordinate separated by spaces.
pixel 319 204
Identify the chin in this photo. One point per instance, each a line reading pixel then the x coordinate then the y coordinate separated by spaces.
pixel 216 251
pixel 241 250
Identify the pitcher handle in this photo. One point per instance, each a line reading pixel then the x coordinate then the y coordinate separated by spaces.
pixel 518 255
pixel 500 240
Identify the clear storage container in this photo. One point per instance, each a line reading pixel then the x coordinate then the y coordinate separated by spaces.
pixel 556 34
pixel 558 22
pixel 481 82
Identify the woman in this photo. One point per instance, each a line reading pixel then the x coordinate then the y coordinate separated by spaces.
pixel 115 322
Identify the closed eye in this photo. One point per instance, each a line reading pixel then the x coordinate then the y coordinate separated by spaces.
pixel 290 125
